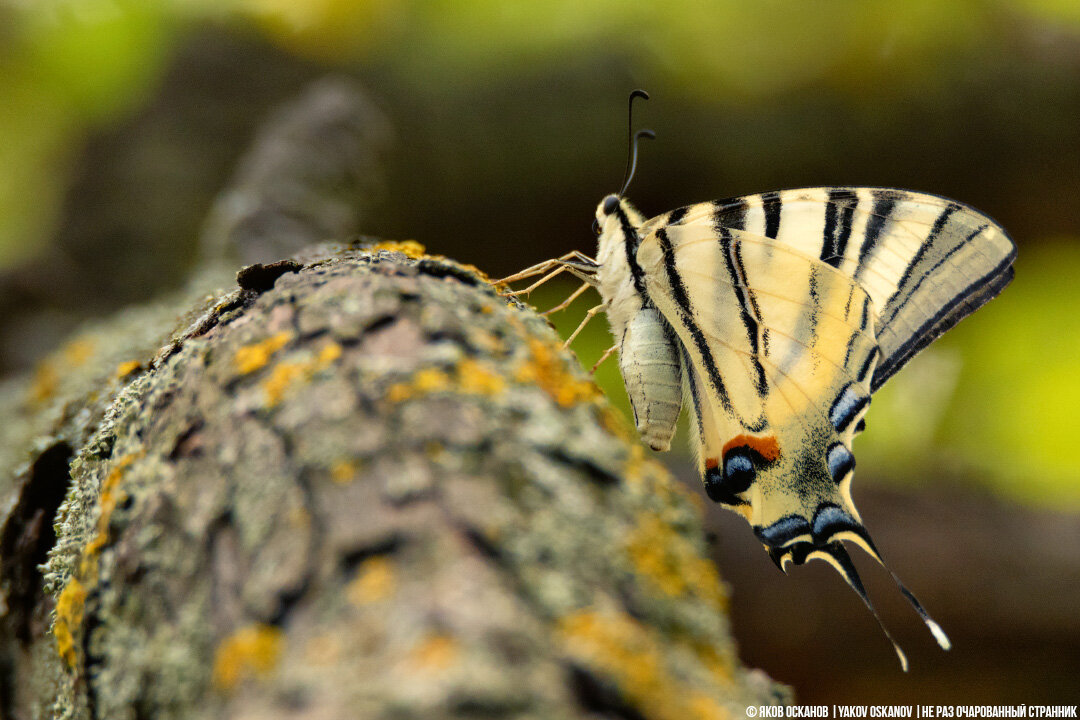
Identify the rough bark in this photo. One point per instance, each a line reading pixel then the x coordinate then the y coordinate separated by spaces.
pixel 361 484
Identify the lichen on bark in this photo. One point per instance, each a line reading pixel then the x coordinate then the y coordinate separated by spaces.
pixel 367 494
pixel 360 484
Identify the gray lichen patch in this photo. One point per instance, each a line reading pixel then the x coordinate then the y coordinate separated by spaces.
pixel 376 489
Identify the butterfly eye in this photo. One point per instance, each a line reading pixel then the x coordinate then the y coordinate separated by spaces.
pixel 611 203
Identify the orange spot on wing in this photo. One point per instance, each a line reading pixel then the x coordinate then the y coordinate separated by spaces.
pixel 712 463
pixel 766 447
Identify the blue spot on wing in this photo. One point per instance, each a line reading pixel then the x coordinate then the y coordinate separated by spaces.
pixel 840 461
pixel 849 403
pixel 831 519
pixel 783 530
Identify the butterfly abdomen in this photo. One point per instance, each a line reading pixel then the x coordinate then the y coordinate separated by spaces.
pixel 648 351
pixel 650 366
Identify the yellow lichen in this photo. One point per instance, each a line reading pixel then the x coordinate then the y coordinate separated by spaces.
pixel 430 380
pixel 69 606
pixel 631 655
pixel 468 377
pixel 703 707
pixel 720 666
pixel 254 357
pixel 330 352
pixel 408 248
pixel 299 517
pixel 127 368
pixel 617 643
pixel 426 381
pixel 435 652
pixel 281 377
pixel 416 251
pixel 286 374
pixel 78 351
pixel 476 378
pixel 109 496
pixel 46 380
pixel 375 581
pixel 69 616
pixel 671 563
pixel 50 371
pixel 251 651
pixel 548 369
pixel 343 471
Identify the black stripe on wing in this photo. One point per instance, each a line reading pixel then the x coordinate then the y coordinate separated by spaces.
pixel 682 300
pixel 749 312
pixel 771 205
pixel 922 304
pixel 839 216
pixel 879 216
pixel 975 295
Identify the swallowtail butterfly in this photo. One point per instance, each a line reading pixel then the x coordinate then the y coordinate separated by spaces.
pixel 777 316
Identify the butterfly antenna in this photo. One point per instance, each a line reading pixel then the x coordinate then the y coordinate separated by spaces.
pixel 633 163
pixel 632 140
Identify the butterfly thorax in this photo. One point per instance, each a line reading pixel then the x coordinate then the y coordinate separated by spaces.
pixel 621 283
pixel 648 356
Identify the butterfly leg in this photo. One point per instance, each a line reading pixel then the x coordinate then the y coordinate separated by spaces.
pixel 605 356
pixel 557 271
pixel 528 272
pixel 565 303
pixel 588 316
pixel 574 258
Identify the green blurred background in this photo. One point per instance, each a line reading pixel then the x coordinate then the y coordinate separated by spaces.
pixel 120 120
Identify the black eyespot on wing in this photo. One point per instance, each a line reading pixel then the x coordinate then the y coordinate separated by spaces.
pixel 840 461
pixel 718 490
pixel 860 426
pixel 739 471
pixel 611 203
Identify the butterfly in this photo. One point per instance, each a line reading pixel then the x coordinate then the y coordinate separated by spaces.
pixel 776 316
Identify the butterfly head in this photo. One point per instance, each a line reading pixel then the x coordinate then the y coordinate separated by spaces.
pixel 615 214
pixel 616 226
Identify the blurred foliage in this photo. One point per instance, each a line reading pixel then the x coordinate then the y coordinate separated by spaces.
pixel 67 66
pixel 64 69
pixel 779 91
pixel 996 398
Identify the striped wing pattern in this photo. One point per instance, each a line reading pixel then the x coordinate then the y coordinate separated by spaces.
pixel 773 339
pixel 791 309
pixel 926 261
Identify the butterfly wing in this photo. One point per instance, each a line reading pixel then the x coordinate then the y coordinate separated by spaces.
pixel 926 261
pixel 791 309
pixel 779 351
